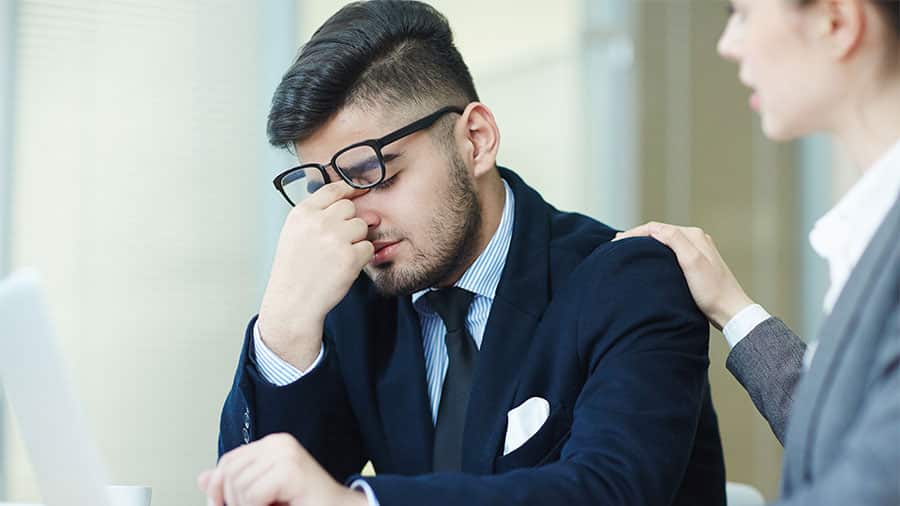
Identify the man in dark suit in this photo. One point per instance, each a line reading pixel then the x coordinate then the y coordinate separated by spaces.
pixel 427 311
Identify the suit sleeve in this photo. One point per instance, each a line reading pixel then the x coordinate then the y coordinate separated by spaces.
pixel 314 409
pixel 768 363
pixel 866 471
pixel 643 345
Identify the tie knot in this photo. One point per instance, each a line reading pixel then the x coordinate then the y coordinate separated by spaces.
pixel 452 305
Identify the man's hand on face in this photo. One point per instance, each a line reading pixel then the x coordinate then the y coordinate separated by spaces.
pixel 321 251
pixel 274 470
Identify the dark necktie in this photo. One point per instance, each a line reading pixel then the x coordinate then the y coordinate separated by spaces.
pixel 452 305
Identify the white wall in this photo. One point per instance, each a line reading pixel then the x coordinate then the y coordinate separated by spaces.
pixel 7 28
pixel 137 164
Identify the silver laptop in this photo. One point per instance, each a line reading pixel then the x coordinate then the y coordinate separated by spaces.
pixel 37 384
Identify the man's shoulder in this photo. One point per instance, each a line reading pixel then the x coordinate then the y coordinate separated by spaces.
pixel 629 280
pixel 569 234
pixel 642 267
pixel 574 236
pixel 586 244
pixel 632 295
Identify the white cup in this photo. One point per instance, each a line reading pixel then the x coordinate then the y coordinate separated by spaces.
pixel 123 495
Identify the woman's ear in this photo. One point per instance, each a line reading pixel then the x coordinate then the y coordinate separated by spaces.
pixel 843 25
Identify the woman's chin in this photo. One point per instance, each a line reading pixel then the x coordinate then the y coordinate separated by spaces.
pixel 779 131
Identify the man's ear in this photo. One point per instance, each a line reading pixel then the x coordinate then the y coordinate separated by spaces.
pixel 477 134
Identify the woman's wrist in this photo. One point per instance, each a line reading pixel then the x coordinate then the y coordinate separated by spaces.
pixel 728 309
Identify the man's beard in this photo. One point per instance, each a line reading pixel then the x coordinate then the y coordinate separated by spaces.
pixel 452 236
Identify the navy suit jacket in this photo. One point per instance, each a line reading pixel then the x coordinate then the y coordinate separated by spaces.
pixel 607 332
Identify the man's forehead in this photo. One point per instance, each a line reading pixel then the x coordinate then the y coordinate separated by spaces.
pixel 349 125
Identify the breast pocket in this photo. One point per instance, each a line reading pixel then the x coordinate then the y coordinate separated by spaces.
pixel 543 447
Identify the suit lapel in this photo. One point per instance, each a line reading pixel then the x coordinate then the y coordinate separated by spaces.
pixel 401 389
pixel 521 298
pixel 836 331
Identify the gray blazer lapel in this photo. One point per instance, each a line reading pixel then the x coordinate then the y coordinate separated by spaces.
pixel 837 329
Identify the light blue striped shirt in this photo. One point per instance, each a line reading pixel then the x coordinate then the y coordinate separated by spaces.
pixel 481 278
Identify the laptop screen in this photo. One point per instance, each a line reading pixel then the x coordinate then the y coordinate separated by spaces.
pixel 37 384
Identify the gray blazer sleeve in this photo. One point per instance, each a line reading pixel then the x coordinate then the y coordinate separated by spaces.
pixel 768 363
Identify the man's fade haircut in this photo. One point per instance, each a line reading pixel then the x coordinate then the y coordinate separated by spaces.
pixel 394 53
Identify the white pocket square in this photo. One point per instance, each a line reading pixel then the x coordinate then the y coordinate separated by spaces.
pixel 524 421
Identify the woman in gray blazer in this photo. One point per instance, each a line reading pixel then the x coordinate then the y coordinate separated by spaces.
pixel 828 66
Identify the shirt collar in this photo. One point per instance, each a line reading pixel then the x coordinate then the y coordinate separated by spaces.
pixel 842 234
pixel 483 276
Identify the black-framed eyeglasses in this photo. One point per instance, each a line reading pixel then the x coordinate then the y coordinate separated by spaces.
pixel 361 165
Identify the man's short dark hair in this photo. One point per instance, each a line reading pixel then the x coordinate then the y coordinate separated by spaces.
pixel 390 53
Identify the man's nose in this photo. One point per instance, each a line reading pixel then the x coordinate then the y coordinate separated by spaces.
pixel 371 218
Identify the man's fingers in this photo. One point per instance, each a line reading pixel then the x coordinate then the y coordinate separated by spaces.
pixel 244 483
pixel 268 485
pixel 331 193
pixel 343 209
pixel 263 491
pixel 203 480
pixel 230 493
pixel 353 230
pixel 229 465
pixel 215 491
pixel 364 250
pixel 266 488
pixel 236 483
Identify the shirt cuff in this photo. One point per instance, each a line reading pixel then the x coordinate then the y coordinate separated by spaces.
pixel 743 323
pixel 367 489
pixel 275 370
